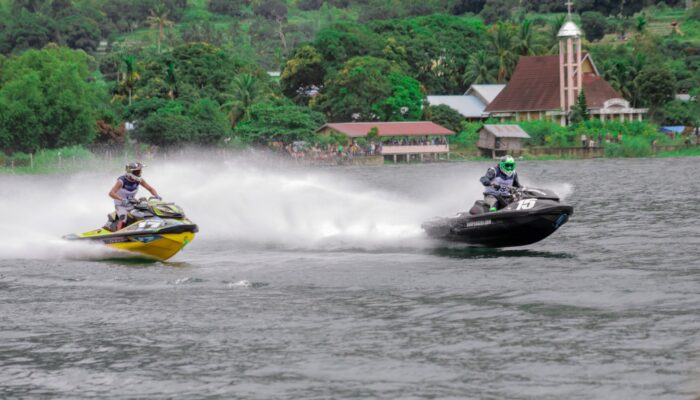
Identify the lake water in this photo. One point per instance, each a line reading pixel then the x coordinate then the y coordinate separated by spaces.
pixel 319 284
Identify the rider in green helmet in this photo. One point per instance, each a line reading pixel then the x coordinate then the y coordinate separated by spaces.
pixel 497 181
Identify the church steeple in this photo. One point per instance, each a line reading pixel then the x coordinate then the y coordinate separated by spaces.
pixel 570 74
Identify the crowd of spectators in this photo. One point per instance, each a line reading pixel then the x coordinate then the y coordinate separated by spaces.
pixel 338 153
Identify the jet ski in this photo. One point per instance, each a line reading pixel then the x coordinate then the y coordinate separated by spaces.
pixel 154 228
pixel 525 216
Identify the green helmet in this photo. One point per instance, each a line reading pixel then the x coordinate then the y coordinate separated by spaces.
pixel 507 165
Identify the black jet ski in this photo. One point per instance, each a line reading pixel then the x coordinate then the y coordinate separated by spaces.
pixel 525 216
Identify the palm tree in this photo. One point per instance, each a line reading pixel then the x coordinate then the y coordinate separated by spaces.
pixel 246 90
pixel 527 42
pixel 171 80
pixel 159 19
pixel 641 24
pixel 131 76
pixel 501 39
pixel 480 69
pixel 553 33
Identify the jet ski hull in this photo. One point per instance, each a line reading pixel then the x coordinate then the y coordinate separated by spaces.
pixel 504 228
pixel 159 244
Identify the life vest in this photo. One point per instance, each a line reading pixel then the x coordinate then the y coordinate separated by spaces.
pixel 128 189
pixel 501 179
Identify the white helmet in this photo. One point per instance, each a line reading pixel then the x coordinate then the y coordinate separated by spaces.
pixel 133 171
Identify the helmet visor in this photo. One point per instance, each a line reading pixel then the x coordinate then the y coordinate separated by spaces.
pixel 136 172
pixel 509 166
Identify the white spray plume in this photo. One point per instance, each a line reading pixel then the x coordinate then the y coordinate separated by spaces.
pixel 242 201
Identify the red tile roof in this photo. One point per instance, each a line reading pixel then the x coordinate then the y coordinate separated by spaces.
pixel 416 128
pixel 535 87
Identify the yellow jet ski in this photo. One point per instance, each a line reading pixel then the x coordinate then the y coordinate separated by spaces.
pixel 154 228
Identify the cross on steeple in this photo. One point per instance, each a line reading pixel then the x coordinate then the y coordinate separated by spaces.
pixel 569 3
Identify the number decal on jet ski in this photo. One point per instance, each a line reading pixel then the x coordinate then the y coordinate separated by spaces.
pixel 526 204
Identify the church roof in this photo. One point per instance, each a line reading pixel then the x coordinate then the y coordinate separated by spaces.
pixel 569 29
pixel 534 86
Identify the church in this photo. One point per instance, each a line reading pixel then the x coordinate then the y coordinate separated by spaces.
pixel 547 87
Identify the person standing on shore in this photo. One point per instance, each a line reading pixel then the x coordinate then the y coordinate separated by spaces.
pixel 584 139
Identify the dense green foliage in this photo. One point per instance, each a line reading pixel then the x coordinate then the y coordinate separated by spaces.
pixel 196 72
pixel 45 100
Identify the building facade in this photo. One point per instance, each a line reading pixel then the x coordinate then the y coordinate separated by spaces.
pixel 547 87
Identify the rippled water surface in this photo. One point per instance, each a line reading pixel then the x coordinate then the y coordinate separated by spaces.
pixel 320 285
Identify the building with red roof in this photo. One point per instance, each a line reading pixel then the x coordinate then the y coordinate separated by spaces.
pixel 547 87
pixel 406 140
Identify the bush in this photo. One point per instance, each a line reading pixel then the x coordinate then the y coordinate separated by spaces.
pixel 468 136
pixel 594 24
pixel 541 130
pixel 444 115
pixel 631 146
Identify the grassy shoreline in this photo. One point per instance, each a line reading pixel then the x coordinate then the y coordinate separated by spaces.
pixel 53 164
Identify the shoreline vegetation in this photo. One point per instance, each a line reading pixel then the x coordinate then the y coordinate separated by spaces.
pixel 77 158
pixel 111 76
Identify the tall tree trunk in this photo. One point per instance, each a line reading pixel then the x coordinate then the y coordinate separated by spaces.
pixel 280 32
pixel 160 36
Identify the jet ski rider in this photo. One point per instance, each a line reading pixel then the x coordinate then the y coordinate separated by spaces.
pixel 124 191
pixel 497 181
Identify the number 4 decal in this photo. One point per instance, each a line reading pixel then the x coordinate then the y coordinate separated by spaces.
pixel 526 204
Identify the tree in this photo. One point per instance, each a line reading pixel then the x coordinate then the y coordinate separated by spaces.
pixel 46 101
pixel 246 90
pixel 480 69
pixel 207 69
pixel 233 8
pixel 360 86
pixel 173 124
pixel 656 86
pixel 579 112
pixel 279 121
pixel 497 10
pixel 445 116
pixel 460 7
pixel 554 25
pixel 686 113
pixel 501 38
pixel 303 74
pixel 131 76
pixel 640 24
pixel 527 41
pixel 276 11
pixel 405 101
pixel 202 31
pixel 594 25
pixel 159 19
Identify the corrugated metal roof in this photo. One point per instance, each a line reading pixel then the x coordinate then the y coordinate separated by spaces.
pixel 486 92
pixel 506 131
pixel 409 128
pixel 468 106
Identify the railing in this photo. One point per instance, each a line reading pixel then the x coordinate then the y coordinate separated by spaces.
pixel 388 150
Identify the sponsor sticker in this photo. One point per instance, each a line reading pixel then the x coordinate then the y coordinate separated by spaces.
pixel 478 223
